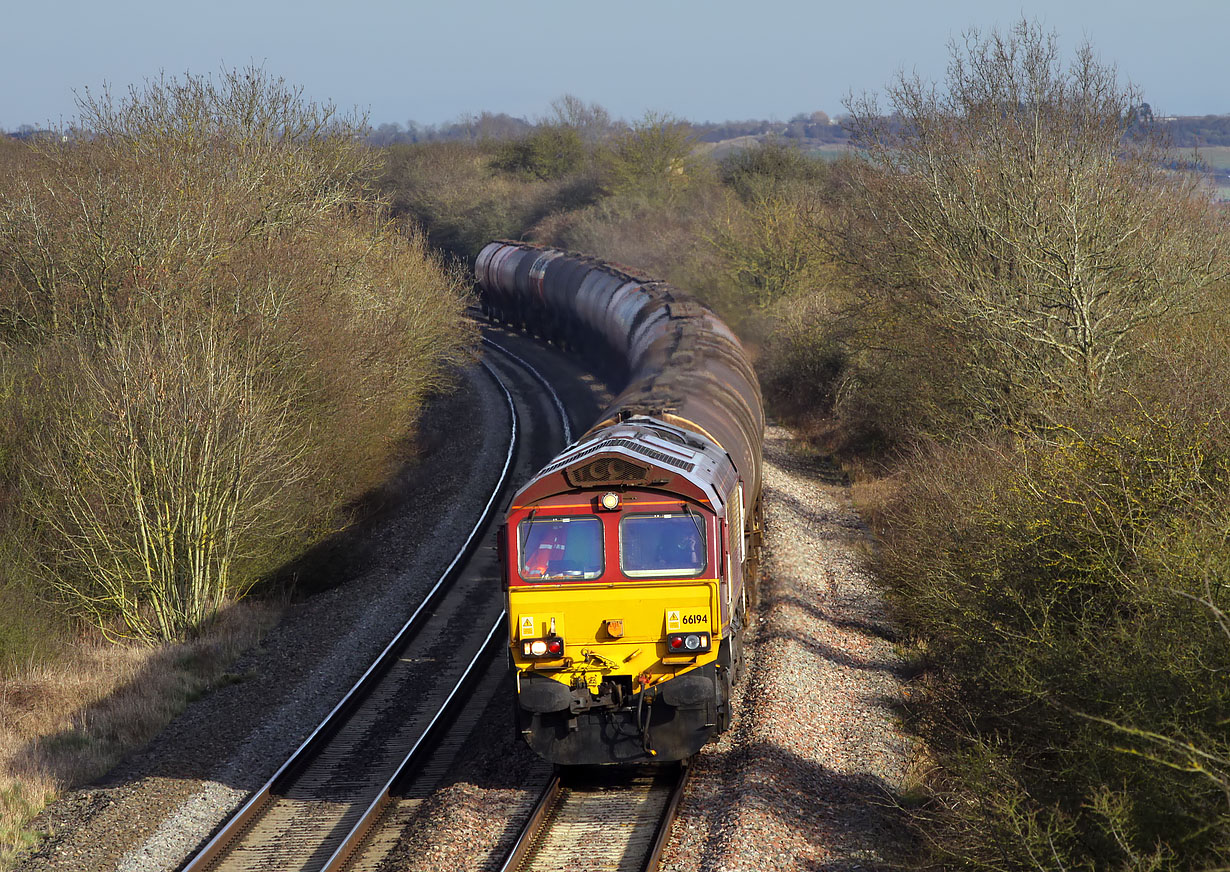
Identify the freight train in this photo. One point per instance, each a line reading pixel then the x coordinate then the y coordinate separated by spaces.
pixel 630 559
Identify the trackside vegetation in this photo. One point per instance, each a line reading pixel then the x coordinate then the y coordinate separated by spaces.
pixel 1033 338
pixel 214 338
pixel 1006 316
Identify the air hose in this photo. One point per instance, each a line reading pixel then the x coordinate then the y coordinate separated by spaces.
pixel 642 723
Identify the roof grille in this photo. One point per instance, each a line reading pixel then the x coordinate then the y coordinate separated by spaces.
pixel 631 445
pixel 659 456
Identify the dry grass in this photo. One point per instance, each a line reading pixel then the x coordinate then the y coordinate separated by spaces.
pixel 66 723
pixel 872 492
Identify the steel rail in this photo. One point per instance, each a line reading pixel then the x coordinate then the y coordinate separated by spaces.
pixel 431 733
pixel 559 405
pixel 359 832
pixel 238 824
pixel 533 828
pixel 662 836
pixel 534 833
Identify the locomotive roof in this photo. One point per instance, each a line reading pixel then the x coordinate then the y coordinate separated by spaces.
pixel 667 448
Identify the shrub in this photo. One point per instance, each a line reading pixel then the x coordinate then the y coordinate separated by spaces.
pixel 771 246
pixel 770 165
pixel 653 159
pixel 549 152
pixel 463 202
pixel 221 338
pixel 1072 593
pixel 164 476
pixel 800 368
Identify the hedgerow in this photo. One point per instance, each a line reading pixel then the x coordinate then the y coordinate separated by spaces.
pixel 214 337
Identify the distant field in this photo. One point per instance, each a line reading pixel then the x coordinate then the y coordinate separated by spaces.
pixel 1216 159
pixel 832 152
pixel 719 150
pixel 1216 156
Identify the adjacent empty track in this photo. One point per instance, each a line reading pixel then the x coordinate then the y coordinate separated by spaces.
pixel 321 808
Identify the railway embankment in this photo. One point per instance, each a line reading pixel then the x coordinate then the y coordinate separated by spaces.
pixel 812 775
pixel 150 811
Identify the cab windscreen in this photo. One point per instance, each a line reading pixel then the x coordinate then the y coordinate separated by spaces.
pixel 559 549
pixel 662 545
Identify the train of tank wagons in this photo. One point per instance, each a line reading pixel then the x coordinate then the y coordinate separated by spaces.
pixel 631 558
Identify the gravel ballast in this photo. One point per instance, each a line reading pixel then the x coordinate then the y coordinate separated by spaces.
pixel 809 776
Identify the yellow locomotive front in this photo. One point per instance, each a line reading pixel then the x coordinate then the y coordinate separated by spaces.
pixel 623 563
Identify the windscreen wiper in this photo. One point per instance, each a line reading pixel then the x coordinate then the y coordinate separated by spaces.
pixel 523 535
pixel 698 521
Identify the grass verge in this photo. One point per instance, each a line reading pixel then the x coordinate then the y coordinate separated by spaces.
pixel 65 723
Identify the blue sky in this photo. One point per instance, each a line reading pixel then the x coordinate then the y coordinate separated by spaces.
pixel 715 60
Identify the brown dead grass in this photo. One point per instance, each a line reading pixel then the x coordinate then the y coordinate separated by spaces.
pixel 65 723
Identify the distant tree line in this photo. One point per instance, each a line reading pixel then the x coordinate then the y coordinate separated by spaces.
pixel 815 126
pixel 1188 131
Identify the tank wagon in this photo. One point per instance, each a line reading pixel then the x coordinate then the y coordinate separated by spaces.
pixel 629 560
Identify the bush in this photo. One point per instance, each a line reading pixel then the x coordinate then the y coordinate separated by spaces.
pixel 550 152
pixel 1072 595
pixel 464 202
pixel 800 368
pixel 652 159
pixel 772 165
pixel 1031 330
pixel 217 339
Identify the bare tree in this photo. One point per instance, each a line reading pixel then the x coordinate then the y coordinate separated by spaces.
pixel 653 157
pixel 770 245
pixel 164 472
pixel 590 120
pixel 1025 208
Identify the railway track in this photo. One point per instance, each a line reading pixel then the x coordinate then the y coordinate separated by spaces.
pixel 614 821
pixel 328 806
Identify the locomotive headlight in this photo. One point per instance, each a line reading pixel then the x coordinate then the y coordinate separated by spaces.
pixel 550 648
pixel 690 643
pixel 610 501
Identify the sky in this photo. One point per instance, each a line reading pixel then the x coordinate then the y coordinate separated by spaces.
pixel 433 62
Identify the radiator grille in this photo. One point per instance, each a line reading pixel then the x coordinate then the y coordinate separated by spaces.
pixel 608 470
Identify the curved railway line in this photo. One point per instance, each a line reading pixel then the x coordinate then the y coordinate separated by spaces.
pixel 347 795
pixel 320 810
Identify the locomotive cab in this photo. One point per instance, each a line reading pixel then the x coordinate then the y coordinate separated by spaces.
pixel 625 597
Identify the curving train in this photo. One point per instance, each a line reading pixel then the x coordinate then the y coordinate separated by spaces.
pixel 630 559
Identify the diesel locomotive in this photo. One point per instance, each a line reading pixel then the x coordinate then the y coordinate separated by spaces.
pixel 630 559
